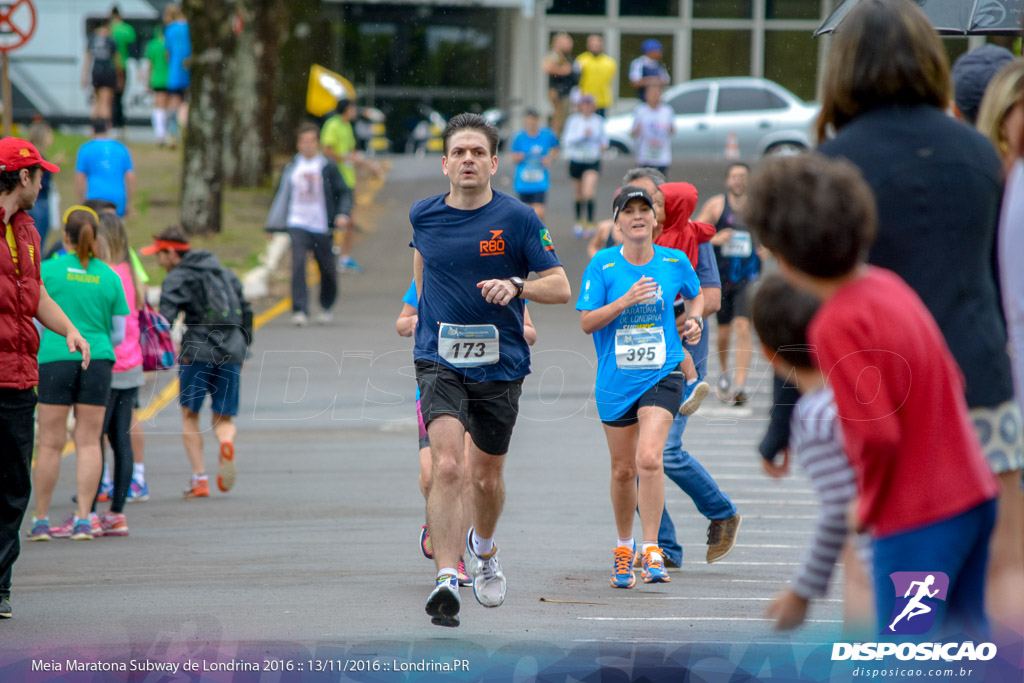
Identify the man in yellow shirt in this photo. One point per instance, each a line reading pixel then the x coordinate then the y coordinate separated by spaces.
pixel 338 141
pixel 597 71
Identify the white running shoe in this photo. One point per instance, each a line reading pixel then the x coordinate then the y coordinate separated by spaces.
pixel 300 319
pixel 323 318
pixel 489 583
pixel 444 603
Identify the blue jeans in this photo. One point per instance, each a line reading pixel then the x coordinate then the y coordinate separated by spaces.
pixel 688 474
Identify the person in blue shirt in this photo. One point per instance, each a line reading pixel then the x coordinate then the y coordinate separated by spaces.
pixel 533 148
pixel 473 249
pixel 104 170
pixel 178 43
pixel 626 303
pixel 679 464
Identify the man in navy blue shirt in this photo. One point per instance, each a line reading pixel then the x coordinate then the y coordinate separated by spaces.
pixel 474 248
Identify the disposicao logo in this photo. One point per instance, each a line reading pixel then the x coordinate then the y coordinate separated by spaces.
pixel 918 595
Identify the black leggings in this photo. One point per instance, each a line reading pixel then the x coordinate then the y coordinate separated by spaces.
pixel 117 424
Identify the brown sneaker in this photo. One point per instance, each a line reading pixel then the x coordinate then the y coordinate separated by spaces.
pixel 722 537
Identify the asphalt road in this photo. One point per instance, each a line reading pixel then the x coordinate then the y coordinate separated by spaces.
pixel 314 554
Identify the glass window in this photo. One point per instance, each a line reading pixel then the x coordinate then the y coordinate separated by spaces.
pixel 747 99
pixel 690 102
pixel 792 9
pixel 649 8
pixel 720 53
pixel 629 47
pixel 791 60
pixel 577 7
pixel 723 9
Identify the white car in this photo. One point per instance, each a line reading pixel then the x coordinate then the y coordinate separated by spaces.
pixel 765 118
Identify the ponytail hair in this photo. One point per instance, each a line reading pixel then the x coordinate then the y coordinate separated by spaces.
pixel 80 227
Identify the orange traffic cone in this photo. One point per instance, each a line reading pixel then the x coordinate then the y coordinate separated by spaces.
pixel 732 145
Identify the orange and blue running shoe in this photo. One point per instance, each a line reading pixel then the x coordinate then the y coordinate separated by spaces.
pixel 654 566
pixel 622 567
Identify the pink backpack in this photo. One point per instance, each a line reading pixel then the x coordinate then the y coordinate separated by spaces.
pixel 158 351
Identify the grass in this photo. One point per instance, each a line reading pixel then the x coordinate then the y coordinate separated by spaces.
pixel 155 206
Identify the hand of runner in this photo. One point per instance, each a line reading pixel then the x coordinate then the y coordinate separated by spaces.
pixel 76 342
pixel 643 289
pixel 788 610
pixel 498 292
pixel 778 467
pixel 691 331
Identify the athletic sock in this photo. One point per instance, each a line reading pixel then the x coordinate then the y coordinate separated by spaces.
pixel 655 557
pixel 106 475
pixel 139 472
pixel 590 211
pixel 691 382
pixel 200 477
pixel 626 543
pixel 446 571
pixel 482 546
pixel 579 211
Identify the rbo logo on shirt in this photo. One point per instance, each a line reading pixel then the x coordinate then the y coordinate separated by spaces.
pixel 494 246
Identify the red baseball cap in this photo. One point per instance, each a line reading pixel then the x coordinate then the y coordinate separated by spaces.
pixel 16 154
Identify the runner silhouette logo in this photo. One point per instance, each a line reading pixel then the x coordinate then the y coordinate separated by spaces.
pixel 918 595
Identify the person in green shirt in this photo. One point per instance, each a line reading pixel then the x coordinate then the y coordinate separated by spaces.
pixel 338 141
pixel 155 55
pixel 91 295
pixel 123 35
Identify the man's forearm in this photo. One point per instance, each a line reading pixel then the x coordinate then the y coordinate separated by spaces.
pixel 552 287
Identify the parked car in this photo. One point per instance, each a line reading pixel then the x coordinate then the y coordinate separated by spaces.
pixel 765 118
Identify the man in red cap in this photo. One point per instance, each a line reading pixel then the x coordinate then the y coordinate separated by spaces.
pixel 22 298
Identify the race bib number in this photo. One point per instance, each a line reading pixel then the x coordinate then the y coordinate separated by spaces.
pixel 468 346
pixel 640 348
pixel 533 175
pixel 741 245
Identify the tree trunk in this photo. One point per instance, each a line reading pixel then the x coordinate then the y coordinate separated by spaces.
pixel 307 42
pixel 253 72
pixel 210 27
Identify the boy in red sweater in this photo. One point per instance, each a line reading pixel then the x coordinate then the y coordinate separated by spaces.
pixel 926 493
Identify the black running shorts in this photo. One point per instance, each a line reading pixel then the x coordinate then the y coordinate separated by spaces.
pixel 65 383
pixel 735 303
pixel 667 394
pixel 488 410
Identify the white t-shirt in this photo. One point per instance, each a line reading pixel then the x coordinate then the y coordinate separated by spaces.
pixel 654 142
pixel 308 206
pixel 583 138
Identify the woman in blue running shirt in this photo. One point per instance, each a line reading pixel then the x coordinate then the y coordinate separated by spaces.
pixel 626 304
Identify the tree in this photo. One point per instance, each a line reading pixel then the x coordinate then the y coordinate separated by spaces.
pixel 253 72
pixel 213 38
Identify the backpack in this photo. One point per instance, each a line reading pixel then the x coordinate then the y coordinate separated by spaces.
pixel 220 301
pixel 155 339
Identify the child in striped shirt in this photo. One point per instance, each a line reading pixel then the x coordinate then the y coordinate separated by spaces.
pixel 781 315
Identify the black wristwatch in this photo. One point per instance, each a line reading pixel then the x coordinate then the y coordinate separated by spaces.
pixel 700 321
pixel 518 283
